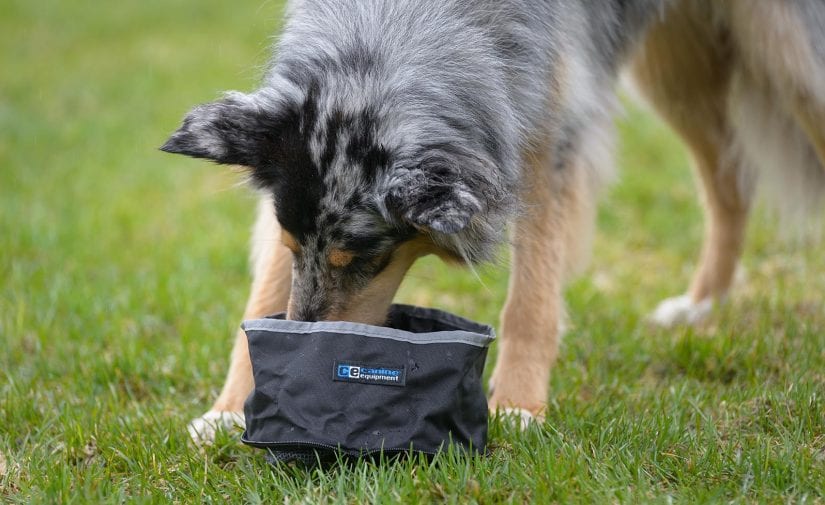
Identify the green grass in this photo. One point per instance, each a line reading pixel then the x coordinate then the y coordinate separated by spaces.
pixel 123 273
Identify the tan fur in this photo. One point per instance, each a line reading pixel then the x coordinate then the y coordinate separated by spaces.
pixel 707 67
pixel 777 54
pixel 684 68
pixel 340 258
pixel 269 294
pixel 772 41
pixel 289 241
pixel 371 305
pixel 543 238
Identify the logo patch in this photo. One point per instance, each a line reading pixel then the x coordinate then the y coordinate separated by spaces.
pixel 349 371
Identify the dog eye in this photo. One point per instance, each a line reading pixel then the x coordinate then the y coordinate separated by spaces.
pixel 339 258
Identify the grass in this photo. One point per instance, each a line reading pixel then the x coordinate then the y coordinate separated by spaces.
pixel 123 273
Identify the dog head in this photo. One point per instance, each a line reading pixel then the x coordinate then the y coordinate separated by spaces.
pixel 361 190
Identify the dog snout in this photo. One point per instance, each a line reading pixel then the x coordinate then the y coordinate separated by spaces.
pixel 307 315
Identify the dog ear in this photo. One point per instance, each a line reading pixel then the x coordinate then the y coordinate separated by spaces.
pixel 233 131
pixel 434 195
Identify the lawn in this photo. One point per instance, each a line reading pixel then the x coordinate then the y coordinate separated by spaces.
pixel 123 274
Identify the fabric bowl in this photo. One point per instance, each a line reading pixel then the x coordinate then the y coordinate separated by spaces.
pixel 324 388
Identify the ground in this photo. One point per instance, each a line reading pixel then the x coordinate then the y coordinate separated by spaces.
pixel 123 274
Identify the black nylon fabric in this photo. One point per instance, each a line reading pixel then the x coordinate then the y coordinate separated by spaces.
pixel 300 410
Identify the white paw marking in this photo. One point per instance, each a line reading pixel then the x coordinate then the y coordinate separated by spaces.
pixel 681 310
pixel 202 430
pixel 520 418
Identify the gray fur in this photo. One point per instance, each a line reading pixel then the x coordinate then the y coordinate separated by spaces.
pixel 419 113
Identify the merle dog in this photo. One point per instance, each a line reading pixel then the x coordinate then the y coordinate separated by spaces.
pixel 386 130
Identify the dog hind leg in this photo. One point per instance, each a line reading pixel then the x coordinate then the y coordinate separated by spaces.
pixel 272 271
pixel 684 69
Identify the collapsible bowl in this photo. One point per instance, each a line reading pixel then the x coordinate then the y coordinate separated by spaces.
pixel 327 388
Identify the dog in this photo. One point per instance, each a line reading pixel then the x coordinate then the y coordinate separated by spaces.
pixel 386 130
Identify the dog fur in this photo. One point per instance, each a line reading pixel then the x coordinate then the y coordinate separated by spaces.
pixel 386 130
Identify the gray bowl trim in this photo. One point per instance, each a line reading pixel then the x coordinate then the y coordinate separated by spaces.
pixel 482 338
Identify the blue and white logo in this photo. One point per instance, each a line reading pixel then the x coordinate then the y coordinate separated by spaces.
pixel 349 371
pixel 369 374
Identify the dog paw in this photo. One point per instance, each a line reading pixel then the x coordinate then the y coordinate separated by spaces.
pixel 516 417
pixel 681 310
pixel 520 418
pixel 203 429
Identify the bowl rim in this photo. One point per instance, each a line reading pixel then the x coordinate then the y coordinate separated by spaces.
pixel 463 331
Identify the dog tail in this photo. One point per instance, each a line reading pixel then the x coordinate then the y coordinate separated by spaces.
pixel 779 164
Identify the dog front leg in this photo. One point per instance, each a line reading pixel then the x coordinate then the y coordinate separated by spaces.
pixel 547 245
pixel 272 266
